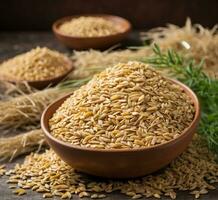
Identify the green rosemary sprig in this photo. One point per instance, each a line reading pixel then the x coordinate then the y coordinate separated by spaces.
pixel 206 88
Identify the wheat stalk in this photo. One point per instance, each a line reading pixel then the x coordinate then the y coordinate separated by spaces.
pixel 12 147
pixel 26 109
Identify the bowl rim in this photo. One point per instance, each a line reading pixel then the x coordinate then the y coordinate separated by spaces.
pixel 58 22
pixel 70 69
pixel 185 132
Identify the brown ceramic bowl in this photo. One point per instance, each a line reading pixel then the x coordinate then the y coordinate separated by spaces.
pixel 101 42
pixel 41 84
pixel 126 163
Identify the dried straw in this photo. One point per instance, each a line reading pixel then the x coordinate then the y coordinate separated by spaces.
pixel 203 43
pixel 8 90
pixel 88 62
pixel 14 146
pixel 26 109
pixel 192 40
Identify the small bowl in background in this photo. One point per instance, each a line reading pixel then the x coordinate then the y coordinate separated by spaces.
pixel 120 163
pixel 100 42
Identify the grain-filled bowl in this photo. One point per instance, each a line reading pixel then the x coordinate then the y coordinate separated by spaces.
pixel 89 40
pixel 114 161
pixel 39 67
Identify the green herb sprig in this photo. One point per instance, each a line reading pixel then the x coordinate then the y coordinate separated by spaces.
pixel 205 87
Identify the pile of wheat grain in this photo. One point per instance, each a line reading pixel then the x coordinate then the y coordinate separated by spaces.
pixel 37 64
pixel 89 27
pixel 129 105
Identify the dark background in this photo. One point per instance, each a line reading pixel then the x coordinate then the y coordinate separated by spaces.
pixel 40 14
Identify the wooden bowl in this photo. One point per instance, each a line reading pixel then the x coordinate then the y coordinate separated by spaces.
pixel 121 163
pixel 101 42
pixel 41 84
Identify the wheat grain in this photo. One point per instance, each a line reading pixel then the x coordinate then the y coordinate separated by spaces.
pixel 37 64
pixel 195 171
pixel 126 106
pixel 89 27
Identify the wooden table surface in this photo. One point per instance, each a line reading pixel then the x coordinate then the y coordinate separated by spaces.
pixel 18 42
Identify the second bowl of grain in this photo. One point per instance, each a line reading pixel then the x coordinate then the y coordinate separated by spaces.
pixel 39 67
pixel 98 31
pixel 128 121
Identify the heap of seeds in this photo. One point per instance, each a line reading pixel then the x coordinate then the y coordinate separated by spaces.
pixel 37 64
pixel 88 27
pixel 194 171
pixel 127 106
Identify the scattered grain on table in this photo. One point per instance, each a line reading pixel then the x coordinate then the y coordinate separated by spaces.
pixel 194 171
